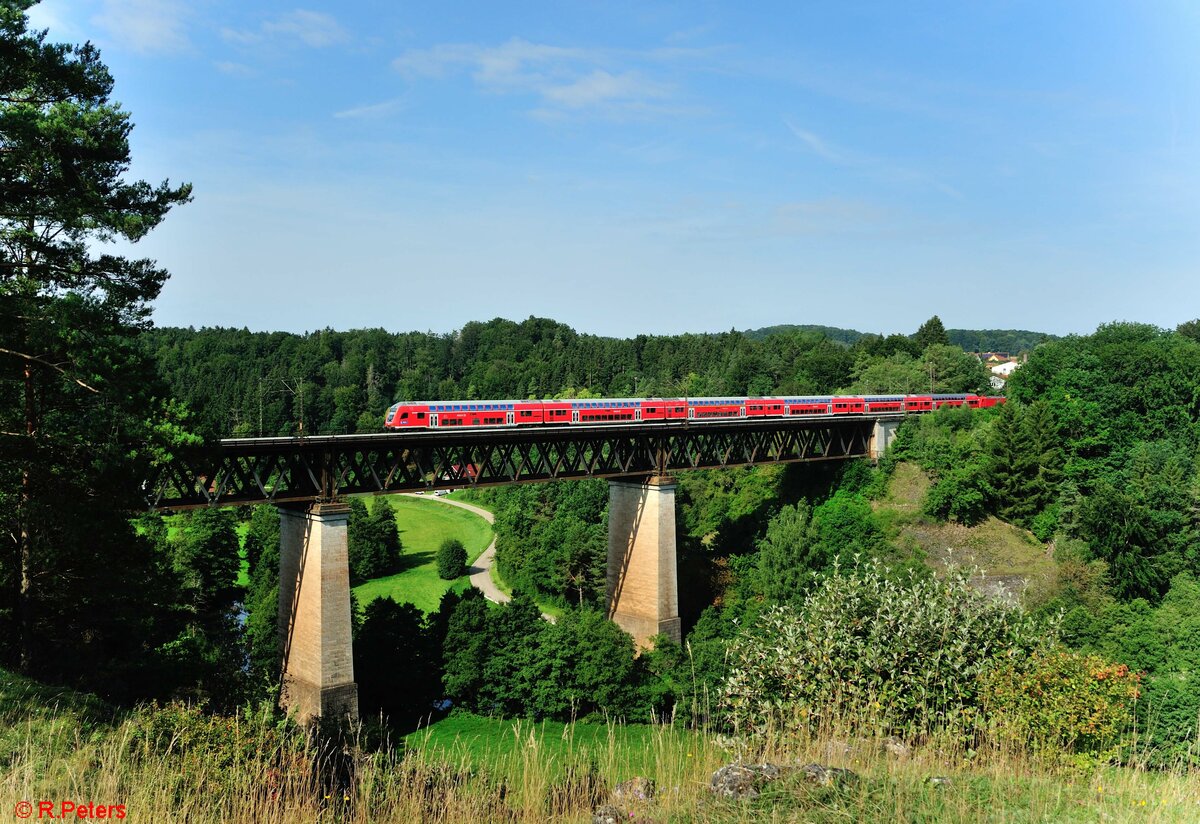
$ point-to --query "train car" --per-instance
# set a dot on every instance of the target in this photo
(808, 406)
(765, 407)
(442, 414)
(664, 409)
(708, 408)
(949, 400)
(884, 403)
(606, 410)
(407, 416)
(555, 413)
(462, 413)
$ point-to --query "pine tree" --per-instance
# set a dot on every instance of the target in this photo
(931, 333)
(81, 412)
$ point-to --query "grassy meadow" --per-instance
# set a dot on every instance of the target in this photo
(424, 524)
(175, 763)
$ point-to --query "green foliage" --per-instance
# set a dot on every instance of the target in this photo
(1026, 460)
(931, 333)
(1012, 341)
(466, 648)
(206, 654)
(451, 559)
(787, 556)
(83, 599)
(950, 369)
(905, 654)
(551, 539)
(1108, 391)
(1058, 703)
(505, 660)
(960, 494)
(1164, 642)
(397, 663)
(585, 667)
(900, 373)
(373, 540)
(262, 601)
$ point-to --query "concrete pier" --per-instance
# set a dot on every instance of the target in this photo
(314, 613)
(881, 438)
(643, 586)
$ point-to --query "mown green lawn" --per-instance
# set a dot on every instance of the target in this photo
(500, 746)
(424, 524)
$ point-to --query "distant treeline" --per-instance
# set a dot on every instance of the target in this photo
(1013, 341)
(238, 382)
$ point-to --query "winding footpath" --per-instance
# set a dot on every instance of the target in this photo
(481, 570)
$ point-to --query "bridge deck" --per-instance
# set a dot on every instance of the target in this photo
(317, 468)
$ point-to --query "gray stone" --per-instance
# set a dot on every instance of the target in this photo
(635, 789)
(940, 781)
(827, 776)
(894, 746)
(735, 781)
(609, 814)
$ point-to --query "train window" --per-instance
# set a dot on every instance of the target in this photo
(420, 414)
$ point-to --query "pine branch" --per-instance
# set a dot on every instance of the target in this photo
(55, 366)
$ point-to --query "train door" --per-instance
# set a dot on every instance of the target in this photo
(574, 416)
(637, 413)
(511, 418)
(742, 411)
(432, 419)
(691, 412)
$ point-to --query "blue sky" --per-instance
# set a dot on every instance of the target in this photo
(646, 167)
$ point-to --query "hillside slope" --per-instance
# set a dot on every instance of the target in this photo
(1009, 557)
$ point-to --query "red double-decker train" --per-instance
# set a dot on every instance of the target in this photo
(442, 414)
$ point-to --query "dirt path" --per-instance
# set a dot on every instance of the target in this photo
(481, 570)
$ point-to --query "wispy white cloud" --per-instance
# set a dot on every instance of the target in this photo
(146, 26)
(602, 87)
(56, 16)
(312, 28)
(819, 146)
(566, 79)
(370, 110)
(234, 69)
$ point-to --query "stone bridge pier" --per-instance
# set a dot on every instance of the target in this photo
(643, 586)
(314, 612)
(882, 435)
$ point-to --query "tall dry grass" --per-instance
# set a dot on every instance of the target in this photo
(177, 764)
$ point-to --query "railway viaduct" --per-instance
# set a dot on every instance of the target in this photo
(307, 479)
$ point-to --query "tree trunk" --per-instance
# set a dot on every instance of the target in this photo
(24, 538)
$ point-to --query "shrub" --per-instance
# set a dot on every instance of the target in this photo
(1059, 702)
(961, 494)
(906, 654)
(451, 559)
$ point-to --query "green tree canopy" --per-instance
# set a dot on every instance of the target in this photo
(81, 413)
(931, 333)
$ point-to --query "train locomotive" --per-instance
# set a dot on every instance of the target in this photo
(586, 412)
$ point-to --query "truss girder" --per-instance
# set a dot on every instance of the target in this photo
(283, 470)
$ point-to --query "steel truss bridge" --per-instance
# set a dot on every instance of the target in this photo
(320, 468)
